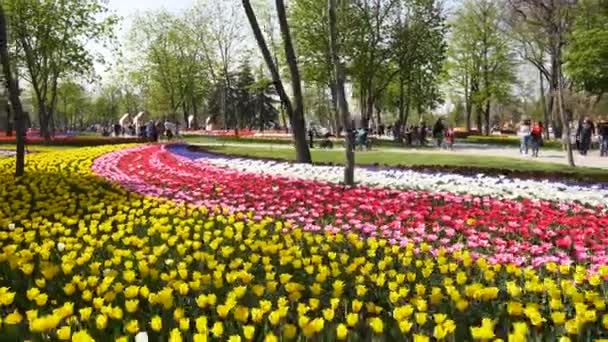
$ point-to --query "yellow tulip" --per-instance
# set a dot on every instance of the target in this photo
(64, 333)
(270, 337)
(290, 331)
(156, 323)
(200, 337)
(377, 325)
(341, 331)
(101, 321)
(218, 329)
(82, 336)
(175, 336)
(132, 327)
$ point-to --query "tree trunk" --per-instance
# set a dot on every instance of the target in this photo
(401, 119)
(223, 105)
(487, 117)
(349, 168)
(284, 118)
(468, 114)
(298, 122)
(408, 102)
(369, 107)
(13, 92)
(195, 113)
(43, 120)
(562, 114)
(185, 110)
(334, 106)
(296, 116)
(479, 120)
(378, 116)
(543, 103)
(9, 123)
(554, 84)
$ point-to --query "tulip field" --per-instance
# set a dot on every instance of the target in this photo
(158, 243)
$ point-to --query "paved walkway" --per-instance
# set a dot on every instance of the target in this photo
(549, 156)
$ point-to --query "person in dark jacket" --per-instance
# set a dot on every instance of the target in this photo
(585, 131)
(603, 133)
(422, 134)
(311, 136)
(438, 132)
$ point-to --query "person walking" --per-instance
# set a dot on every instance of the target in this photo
(449, 138)
(536, 138)
(311, 136)
(422, 134)
(524, 133)
(585, 132)
(603, 135)
(408, 134)
(439, 131)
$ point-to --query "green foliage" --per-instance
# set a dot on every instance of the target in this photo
(419, 52)
(481, 64)
(249, 102)
(50, 37)
(587, 53)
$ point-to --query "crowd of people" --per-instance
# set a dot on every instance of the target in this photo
(151, 130)
(413, 135)
(531, 135)
(585, 132)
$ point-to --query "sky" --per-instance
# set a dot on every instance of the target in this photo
(126, 9)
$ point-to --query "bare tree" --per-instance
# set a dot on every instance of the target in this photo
(294, 109)
(552, 19)
(349, 168)
(13, 91)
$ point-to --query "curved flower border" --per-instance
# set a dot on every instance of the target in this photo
(521, 232)
(481, 185)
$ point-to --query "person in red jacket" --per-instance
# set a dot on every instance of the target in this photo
(536, 136)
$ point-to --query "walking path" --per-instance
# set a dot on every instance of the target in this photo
(549, 156)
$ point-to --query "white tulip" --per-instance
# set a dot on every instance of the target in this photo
(141, 336)
(11, 226)
(478, 185)
(60, 246)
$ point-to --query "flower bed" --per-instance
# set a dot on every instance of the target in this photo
(505, 231)
(478, 184)
(72, 141)
(82, 259)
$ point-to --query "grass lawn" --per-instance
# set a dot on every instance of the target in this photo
(510, 141)
(198, 139)
(441, 161)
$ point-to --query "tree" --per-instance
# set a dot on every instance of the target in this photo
(531, 45)
(220, 35)
(50, 39)
(13, 90)
(553, 19)
(418, 42)
(371, 52)
(482, 61)
(587, 54)
(349, 168)
(309, 19)
(70, 101)
(295, 110)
